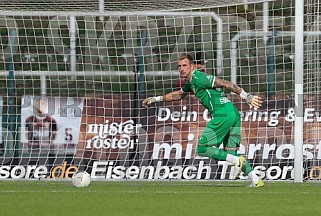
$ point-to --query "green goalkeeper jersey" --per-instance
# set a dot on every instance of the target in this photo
(211, 98)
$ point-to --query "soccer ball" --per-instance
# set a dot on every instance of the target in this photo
(81, 179)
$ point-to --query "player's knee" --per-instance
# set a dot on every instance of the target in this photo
(201, 149)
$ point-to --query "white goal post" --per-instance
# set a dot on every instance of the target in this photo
(76, 75)
(299, 91)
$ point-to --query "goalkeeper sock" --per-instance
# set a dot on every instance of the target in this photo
(254, 178)
(247, 167)
(232, 159)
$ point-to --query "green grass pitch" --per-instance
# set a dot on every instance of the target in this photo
(45, 198)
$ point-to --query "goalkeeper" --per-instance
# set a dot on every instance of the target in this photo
(225, 124)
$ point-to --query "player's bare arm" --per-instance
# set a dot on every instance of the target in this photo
(228, 85)
(250, 99)
(173, 96)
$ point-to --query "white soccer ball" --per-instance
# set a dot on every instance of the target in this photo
(81, 179)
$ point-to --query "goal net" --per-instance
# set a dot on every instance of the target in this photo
(75, 74)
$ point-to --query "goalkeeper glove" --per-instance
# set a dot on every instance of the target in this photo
(251, 100)
(151, 100)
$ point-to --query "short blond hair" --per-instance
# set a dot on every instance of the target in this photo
(188, 57)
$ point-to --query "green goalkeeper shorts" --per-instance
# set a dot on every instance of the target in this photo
(223, 129)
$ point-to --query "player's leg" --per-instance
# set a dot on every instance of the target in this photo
(231, 145)
(209, 150)
(212, 136)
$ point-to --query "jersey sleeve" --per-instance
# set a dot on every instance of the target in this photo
(187, 87)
